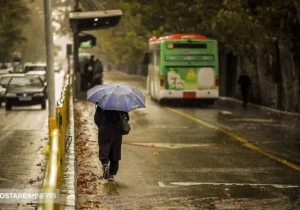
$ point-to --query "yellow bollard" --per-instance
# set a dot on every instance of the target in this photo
(51, 124)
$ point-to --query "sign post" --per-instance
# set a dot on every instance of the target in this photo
(50, 71)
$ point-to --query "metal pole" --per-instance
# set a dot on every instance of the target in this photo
(75, 55)
(75, 61)
(49, 53)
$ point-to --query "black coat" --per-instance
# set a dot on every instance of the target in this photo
(108, 118)
(109, 134)
(244, 82)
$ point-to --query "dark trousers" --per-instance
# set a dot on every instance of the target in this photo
(113, 166)
(110, 143)
(245, 96)
(82, 82)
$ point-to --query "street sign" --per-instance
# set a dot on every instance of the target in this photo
(87, 41)
(87, 44)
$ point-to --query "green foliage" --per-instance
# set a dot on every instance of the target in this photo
(124, 44)
(13, 15)
(33, 48)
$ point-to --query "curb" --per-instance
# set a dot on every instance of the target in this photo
(68, 192)
(227, 101)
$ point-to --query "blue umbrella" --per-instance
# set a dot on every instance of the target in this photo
(117, 97)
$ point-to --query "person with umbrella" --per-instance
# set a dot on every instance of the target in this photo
(113, 102)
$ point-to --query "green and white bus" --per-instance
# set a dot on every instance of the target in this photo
(183, 66)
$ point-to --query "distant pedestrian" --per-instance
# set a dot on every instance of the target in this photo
(83, 66)
(89, 71)
(98, 73)
(109, 140)
(245, 83)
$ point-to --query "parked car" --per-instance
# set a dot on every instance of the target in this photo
(28, 67)
(24, 91)
(4, 80)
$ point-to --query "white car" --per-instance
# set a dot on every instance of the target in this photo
(6, 68)
(28, 67)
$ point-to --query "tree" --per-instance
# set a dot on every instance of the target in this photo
(33, 47)
(11, 25)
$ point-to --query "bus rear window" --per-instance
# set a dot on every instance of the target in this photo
(189, 46)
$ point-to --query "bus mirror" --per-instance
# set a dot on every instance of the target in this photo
(146, 59)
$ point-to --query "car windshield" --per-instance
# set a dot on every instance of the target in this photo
(43, 77)
(35, 68)
(4, 80)
(26, 81)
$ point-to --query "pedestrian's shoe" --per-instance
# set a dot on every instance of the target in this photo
(111, 178)
(105, 171)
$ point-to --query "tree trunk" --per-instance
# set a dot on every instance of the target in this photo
(251, 69)
(266, 84)
(289, 79)
(280, 96)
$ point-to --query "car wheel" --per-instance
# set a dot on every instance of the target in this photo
(43, 105)
(8, 106)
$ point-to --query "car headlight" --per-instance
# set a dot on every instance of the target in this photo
(10, 95)
(38, 94)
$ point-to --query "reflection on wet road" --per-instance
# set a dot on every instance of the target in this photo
(23, 132)
(172, 162)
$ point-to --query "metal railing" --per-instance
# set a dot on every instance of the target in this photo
(55, 150)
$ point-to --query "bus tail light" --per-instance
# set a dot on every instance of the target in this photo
(217, 81)
(162, 82)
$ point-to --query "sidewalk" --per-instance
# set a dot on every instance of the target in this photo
(227, 102)
(272, 130)
(90, 183)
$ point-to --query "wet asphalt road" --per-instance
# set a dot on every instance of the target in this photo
(171, 161)
(23, 133)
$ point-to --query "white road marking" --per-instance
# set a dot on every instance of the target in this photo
(45, 126)
(170, 127)
(279, 186)
(170, 145)
(161, 184)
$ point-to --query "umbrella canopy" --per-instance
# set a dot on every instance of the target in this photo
(117, 97)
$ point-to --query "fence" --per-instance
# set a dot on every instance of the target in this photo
(55, 150)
